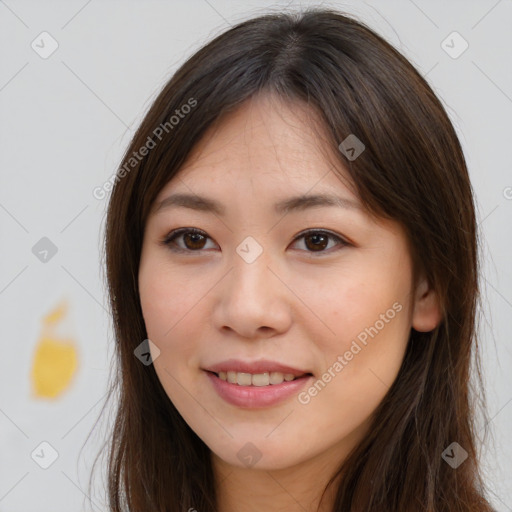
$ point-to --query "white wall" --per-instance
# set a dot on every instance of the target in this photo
(64, 123)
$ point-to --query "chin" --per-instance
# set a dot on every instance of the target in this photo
(262, 457)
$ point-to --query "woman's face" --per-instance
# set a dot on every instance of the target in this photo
(323, 289)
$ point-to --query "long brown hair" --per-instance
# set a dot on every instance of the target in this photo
(413, 171)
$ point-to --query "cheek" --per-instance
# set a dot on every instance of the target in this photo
(172, 308)
(365, 320)
(164, 295)
(161, 311)
(158, 303)
(346, 304)
(167, 326)
(359, 367)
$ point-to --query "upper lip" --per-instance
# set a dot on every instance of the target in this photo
(254, 367)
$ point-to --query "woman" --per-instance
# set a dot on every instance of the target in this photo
(291, 257)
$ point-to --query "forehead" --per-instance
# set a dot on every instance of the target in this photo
(265, 144)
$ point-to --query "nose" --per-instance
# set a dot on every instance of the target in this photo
(252, 300)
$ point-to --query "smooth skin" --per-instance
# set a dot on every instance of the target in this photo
(296, 303)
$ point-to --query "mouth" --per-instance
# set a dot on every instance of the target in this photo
(258, 379)
(256, 391)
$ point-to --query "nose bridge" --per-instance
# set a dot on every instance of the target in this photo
(251, 273)
(252, 296)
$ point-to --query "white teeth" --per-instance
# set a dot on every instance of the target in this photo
(258, 379)
(243, 379)
(276, 378)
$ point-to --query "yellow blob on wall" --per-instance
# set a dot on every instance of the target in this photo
(55, 358)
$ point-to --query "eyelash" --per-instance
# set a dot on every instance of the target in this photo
(168, 240)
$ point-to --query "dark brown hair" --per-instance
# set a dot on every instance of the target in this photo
(412, 171)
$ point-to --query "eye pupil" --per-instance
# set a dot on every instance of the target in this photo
(196, 237)
(317, 244)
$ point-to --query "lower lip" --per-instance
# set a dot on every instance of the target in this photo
(253, 397)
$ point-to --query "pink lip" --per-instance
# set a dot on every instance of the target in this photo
(253, 397)
(262, 366)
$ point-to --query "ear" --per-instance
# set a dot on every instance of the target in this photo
(426, 310)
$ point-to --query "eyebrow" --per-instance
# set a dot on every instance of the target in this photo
(297, 203)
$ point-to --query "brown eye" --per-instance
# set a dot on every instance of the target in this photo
(193, 240)
(317, 241)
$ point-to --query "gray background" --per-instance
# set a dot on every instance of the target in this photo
(64, 123)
